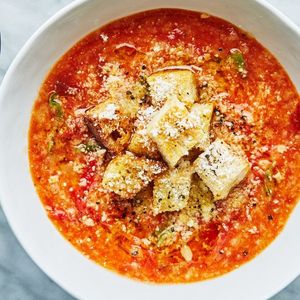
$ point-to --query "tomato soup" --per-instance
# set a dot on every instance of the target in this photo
(105, 161)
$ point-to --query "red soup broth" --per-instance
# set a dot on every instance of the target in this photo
(259, 111)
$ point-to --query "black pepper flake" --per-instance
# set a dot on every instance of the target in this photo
(245, 253)
(144, 67)
(135, 253)
(220, 49)
(270, 217)
(217, 59)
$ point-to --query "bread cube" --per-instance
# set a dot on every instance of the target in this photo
(201, 201)
(141, 144)
(171, 190)
(173, 131)
(142, 202)
(127, 174)
(168, 83)
(201, 115)
(221, 168)
(111, 123)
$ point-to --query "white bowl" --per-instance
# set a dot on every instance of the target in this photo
(265, 275)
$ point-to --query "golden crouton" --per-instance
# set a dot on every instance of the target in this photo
(141, 144)
(201, 115)
(127, 174)
(111, 123)
(166, 84)
(171, 189)
(201, 201)
(220, 168)
(174, 131)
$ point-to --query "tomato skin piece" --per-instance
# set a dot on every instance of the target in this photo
(295, 118)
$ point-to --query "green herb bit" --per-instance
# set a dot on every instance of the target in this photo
(167, 237)
(268, 182)
(91, 147)
(55, 104)
(88, 147)
(239, 61)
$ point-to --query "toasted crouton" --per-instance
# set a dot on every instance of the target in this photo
(171, 189)
(201, 115)
(221, 168)
(174, 131)
(127, 174)
(169, 83)
(201, 201)
(141, 144)
(111, 123)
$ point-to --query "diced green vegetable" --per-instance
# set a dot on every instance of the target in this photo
(90, 146)
(55, 105)
(167, 237)
(239, 61)
(268, 182)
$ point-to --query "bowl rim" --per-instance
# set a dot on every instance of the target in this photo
(6, 80)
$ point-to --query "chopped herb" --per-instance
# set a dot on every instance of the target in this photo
(239, 61)
(55, 105)
(90, 146)
(166, 237)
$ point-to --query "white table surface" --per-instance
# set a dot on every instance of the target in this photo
(20, 278)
